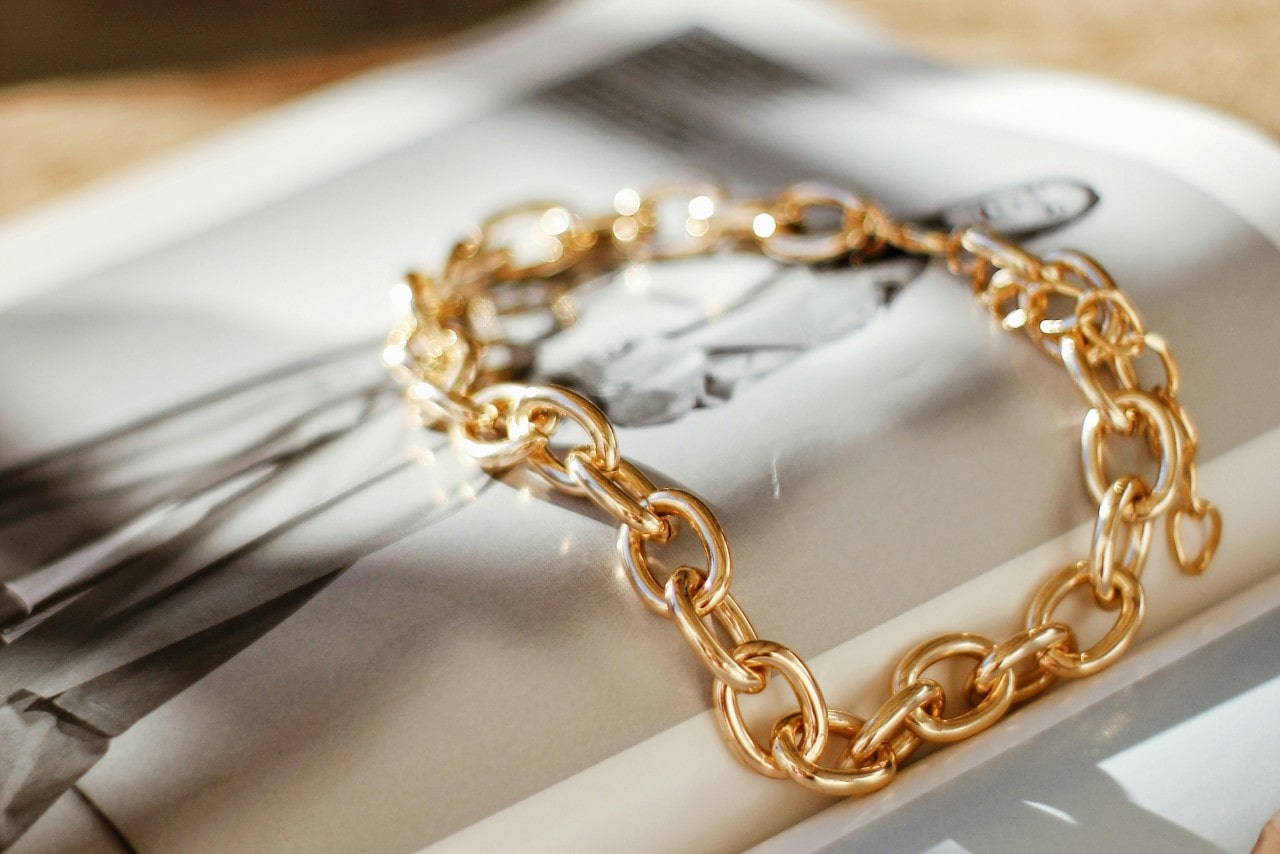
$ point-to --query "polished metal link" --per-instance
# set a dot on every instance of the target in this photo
(1127, 373)
(680, 506)
(1073, 351)
(1005, 296)
(794, 241)
(888, 726)
(620, 493)
(1131, 610)
(499, 441)
(681, 587)
(1146, 415)
(910, 238)
(1026, 646)
(1110, 324)
(999, 252)
(850, 777)
(936, 727)
(1121, 539)
(434, 404)
(539, 402)
(762, 655)
(644, 232)
(556, 237)
(442, 349)
(1070, 275)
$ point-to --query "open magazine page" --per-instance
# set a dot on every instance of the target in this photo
(246, 604)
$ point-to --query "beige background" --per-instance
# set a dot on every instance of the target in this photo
(61, 133)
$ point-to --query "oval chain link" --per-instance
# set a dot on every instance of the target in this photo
(934, 726)
(1065, 303)
(688, 508)
(849, 777)
(762, 654)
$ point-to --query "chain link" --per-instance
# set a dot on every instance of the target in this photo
(439, 350)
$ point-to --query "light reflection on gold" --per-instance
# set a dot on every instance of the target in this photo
(764, 225)
(701, 207)
(625, 229)
(393, 354)
(627, 201)
(401, 298)
(1007, 279)
(555, 221)
(1015, 319)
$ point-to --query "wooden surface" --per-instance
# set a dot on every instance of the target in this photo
(60, 134)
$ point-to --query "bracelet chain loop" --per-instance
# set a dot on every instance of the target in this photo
(443, 348)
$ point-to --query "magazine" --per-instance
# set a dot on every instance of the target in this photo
(248, 606)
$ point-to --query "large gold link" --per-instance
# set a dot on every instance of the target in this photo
(498, 440)
(534, 241)
(441, 350)
(1006, 657)
(850, 777)
(1073, 351)
(795, 241)
(1121, 540)
(559, 404)
(675, 220)
(620, 493)
(1132, 608)
(888, 726)
(1128, 375)
(1069, 274)
(765, 655)
(1147, 415)
(682, 585)
(936, 727)
(676, 504)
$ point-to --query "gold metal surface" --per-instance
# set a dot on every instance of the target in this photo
(850, 778)
(1132, 608)
(764, 654)
(933, 725)
(1121, 540)
(1023, 648)
(561, 404)
(1148, 415)
(439, 350)
(688, 508)
(680, 589)
(888, 726)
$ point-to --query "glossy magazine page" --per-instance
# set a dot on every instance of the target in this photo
(248, 605)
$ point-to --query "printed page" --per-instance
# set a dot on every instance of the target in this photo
(248, 605)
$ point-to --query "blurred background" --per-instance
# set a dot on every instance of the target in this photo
(89, 87)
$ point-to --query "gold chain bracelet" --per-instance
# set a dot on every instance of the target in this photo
(449, 350)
